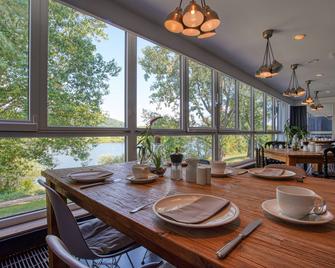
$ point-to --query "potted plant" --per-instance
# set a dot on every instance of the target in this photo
(157, 161)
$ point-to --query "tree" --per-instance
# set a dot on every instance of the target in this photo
(77, 82)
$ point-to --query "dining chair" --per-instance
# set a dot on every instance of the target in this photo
(298, 170)
(60, 250)
(327, 165)
(274, 145)
(90, 240)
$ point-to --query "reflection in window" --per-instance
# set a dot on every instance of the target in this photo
(244, 106)
(269, 113)
(14, 62)
(158, 85)
(228, 107)
(86, 70)
(200, 95)
(235, 148)
(23, 159)
(258, 110)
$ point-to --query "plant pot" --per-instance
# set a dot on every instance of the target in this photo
(158, 171)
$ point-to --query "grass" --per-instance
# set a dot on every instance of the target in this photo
(21, 208)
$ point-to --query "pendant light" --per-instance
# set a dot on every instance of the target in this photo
(316, 106)
(294, 89)
(193, 16)
(212, 20)
(270, 66)
(174, 21)
(308, 100)
(194, 21)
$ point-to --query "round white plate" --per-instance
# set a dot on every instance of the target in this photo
(226, 172)
(225, 216)
(271, 207)
(286, 175)
(150, 178)
(89, 176)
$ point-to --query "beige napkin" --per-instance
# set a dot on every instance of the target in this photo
(271, 172)
(198, 211)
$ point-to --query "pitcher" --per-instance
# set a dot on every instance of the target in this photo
(191, 169)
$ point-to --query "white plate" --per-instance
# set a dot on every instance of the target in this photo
(271, 207)
(89, 176)
(286, 175)
(150, 178)
(225, 173)
(225, 216)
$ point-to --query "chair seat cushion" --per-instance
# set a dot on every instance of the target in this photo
(102, 239)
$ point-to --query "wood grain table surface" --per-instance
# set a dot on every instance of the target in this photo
(274, 244)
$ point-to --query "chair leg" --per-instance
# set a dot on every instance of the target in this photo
(143, 259)
(131, 263)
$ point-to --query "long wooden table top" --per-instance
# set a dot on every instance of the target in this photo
(290, 152)
(273, 244)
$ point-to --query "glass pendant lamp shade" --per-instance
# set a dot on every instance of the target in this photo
(193, 16)
(193, 32)
(294, 89)
(204, 35)
(308, 100)
(212, 20)
(173, 22)
(300, 92)
(276, 67)
(265, 72)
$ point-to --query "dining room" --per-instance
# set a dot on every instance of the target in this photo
(162, 134)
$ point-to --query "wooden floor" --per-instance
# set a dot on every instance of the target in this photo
(38, 258)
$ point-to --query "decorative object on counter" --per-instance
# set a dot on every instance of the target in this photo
(144, 144)
(295, 143)
(191, 169)
(157, 157)
(305, 146)
(311, 146)
(176, 167)
(290, 131)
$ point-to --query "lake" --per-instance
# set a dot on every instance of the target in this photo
(102, 149)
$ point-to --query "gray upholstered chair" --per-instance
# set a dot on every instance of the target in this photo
(57, 247)
(90, 240)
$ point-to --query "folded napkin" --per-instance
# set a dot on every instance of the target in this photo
(271, 172)
(198, 211)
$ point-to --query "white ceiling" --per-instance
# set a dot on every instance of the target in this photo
(239, 39)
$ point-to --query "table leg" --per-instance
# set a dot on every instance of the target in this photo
(54, 261)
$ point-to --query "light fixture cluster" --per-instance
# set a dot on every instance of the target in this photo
(270, 66)
(308, 100)
(294, 89)
(195, 21)
(316, 106)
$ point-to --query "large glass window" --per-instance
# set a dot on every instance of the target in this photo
(235, 148)
(263, 138)
(228, 106)
(258, 110)
(158, 85)
(14, 60)
(86, 70)
(22, 159)
(200, 95)
(276, 111)
(269, 113)
(244, 102)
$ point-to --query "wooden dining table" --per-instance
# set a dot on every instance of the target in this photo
(292, 158)
(273, 244)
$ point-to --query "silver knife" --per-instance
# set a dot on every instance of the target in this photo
(223, 252)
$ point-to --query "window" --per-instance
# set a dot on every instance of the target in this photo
(258, 110)
(244, 106)
(158, 85)
(86, 76)
(228, 97)
(200, 95)
(263, 138)
(276, 112)
(235, 148)
(22, 159)
(14, 64)
(269, 113)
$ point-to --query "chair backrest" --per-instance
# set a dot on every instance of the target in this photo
(67, 225)
(57, 247)
(327, 151)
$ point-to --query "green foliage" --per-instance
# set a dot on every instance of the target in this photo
(110, 159)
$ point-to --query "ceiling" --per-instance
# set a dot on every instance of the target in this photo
(240, 42)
